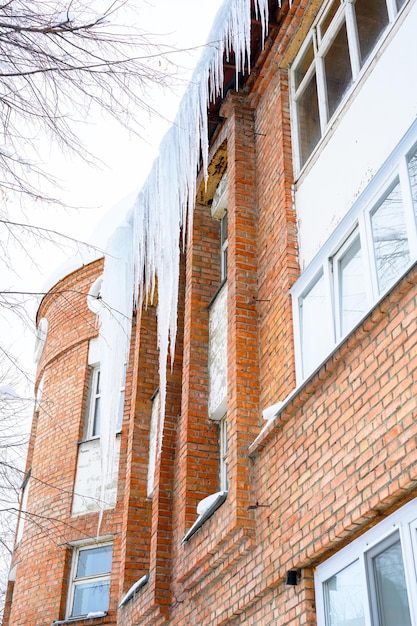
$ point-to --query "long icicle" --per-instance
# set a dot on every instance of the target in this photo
(165, 206)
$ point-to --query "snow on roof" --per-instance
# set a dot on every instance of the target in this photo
(96, 244)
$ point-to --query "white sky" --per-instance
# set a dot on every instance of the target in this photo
(184, 24)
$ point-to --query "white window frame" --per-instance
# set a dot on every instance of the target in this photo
(94, 396)
(403, 522)
(358, 220)
(321, 44)
(76, 581)
(93, 400)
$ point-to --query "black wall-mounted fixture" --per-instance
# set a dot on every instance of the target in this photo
(293, 577)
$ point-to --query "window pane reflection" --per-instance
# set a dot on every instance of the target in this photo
(304, 65)
(390, 239)
(91, 597)
(338, 70)
(372, 19)
(94, 561)
(343, 598)
(390, 587)
(308, 119)
(352, 292)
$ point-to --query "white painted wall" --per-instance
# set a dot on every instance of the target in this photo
(87, 486)
(217, 356)
(378, 113)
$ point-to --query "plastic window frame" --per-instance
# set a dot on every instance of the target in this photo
(358, 219)
(404, 523)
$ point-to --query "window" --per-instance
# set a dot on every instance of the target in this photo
(389, 236)
(350, 285)
(316, 332)
(369, 251)
(372, 581)
(223, 247)
(330, 62)
(94, 413)
(223, 448)
(93, 429)
(219, 212)
(90, 580)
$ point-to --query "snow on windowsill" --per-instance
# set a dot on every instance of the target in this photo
(83, 618)
(205, 510)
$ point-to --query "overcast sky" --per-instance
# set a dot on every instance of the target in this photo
(183, 24)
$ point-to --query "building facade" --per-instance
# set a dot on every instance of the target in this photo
(281, 485)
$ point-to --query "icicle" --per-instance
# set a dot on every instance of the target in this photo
(115, 318)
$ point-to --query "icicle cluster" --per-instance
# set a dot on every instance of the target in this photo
(115, 319)
(164, 208)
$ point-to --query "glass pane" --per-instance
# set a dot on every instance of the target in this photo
(371, 19)
(308, 120)
(389, 235)
(90, 597)
(96, 421)
(400, 4)
(352, 287)
(326, 21)
(390, 587)
(94, 561)
(315, 329)
(98, 383)
(338, 70)
(343, 598)
(412, 172)
(303, 65)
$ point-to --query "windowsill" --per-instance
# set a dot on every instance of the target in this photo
(135, 588)
(97, 437)
(210, 506)
(80, 619)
